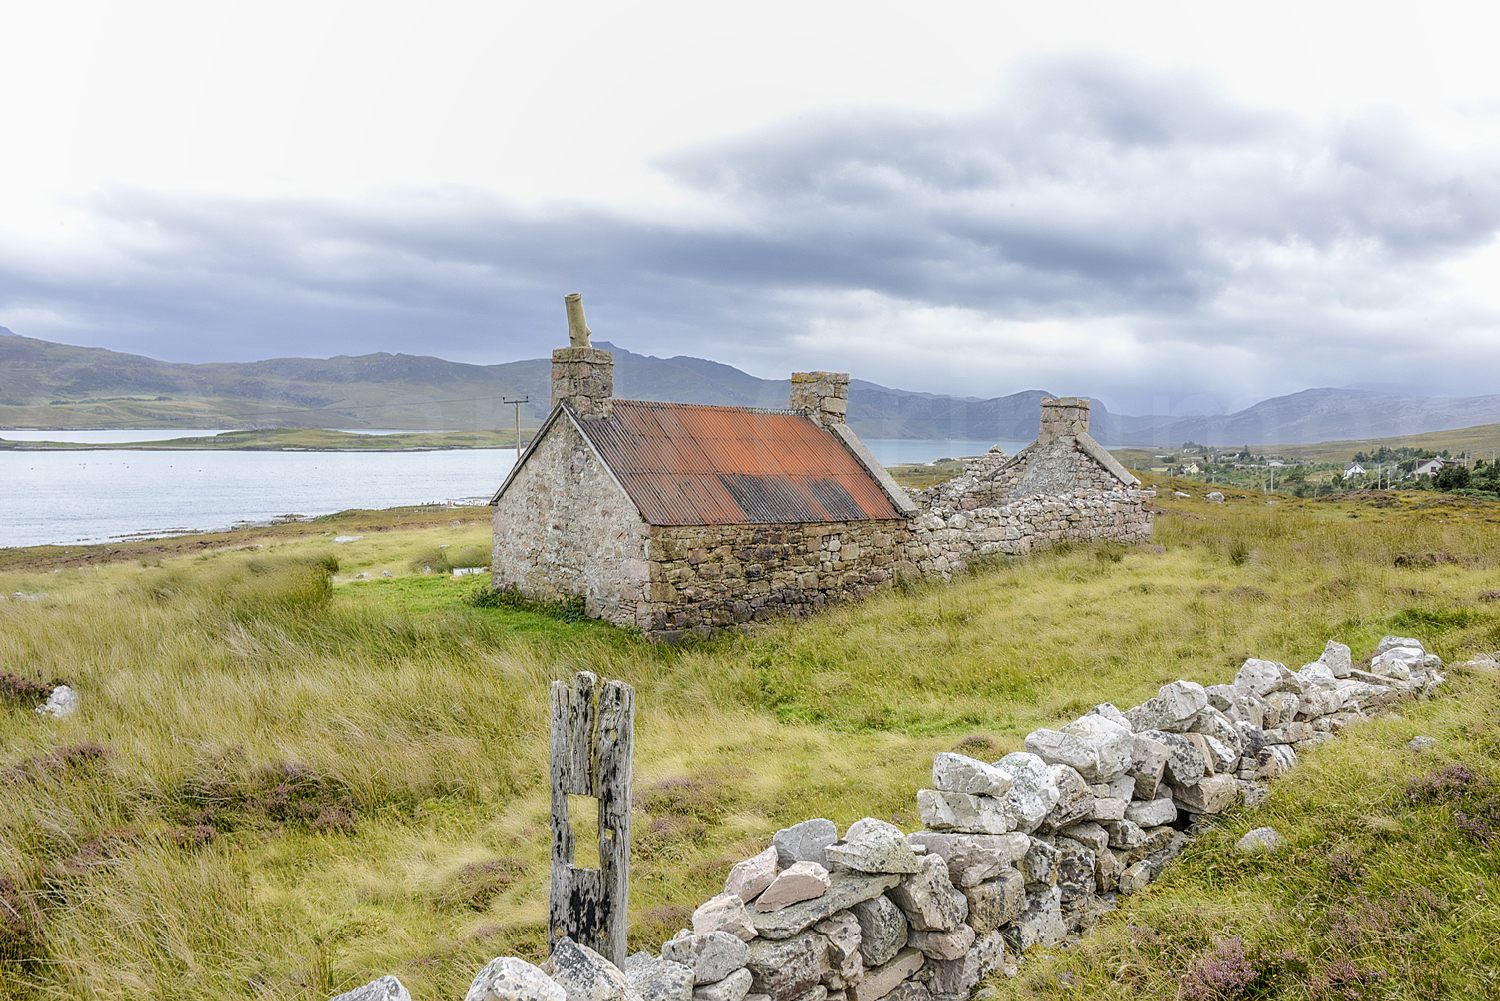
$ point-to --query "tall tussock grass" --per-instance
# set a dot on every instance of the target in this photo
(283, 786)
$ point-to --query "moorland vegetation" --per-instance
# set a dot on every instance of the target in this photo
(285, 781)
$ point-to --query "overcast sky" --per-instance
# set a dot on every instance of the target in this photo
(1172, 207)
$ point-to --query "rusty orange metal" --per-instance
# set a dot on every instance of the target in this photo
(686, 464)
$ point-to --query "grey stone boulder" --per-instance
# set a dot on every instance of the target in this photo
(584, 974)
(1237, 704)
(726, 912)
(1187, 756)
(1318, 675)
(1422, 743)
(658, 979)
(386, 988)
(846, 890)
(1113, 744)
(733, 987)
(61, 703)
(883, 930)
(798, 882)
(712, 957)
(1222, 758)
(1074, 797)
(1106, 808)
(1033, 792)
(973, 858)
(1126, 835)
(1041, 923)
(785, 968)
(1212, 794)
(804, 842)
(960, 773)
(1038, 867)
(965, 812)
(1151, 812)
(1264, 677)
(1173, 708)
(1075, 870)
(943, 944)
(1110, 712)
(1394, 663)
(1058, 748)
(748, 879)
(1262, 839)
(1213, 723)
(995, 902)
(1338, 658)
(1148, 762)
(1089, 834)
(1135, 877)
(873, 845)
(1390, 642)
(880, 981)
(509, 979)
(929, 899)
(1121, 788)
(956, 978)
(1271, 761)
(844, 936)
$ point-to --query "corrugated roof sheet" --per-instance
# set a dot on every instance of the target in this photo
(684, 464)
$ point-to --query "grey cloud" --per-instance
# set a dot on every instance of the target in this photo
(1089, 189)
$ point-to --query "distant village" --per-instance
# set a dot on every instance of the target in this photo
(1385, 468)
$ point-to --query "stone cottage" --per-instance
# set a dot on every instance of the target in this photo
(1062, 487)
(683, 519)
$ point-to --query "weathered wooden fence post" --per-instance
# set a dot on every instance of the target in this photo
(593, 732)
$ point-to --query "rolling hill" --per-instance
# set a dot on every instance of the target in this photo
(58, 386)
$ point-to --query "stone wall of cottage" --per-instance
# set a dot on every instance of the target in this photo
(565, 527)
(708, 577)
(1007, 505)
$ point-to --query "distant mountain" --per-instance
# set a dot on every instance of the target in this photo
(49, 385)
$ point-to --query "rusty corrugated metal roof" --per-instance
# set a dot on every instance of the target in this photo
(684, 464)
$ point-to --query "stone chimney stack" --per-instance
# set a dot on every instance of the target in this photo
(824, 395)
(1066, 415)
(583, 376)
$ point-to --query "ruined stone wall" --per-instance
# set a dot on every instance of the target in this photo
(707, 577)
(565, 527)
(946, 539)
(1049, 492)
(1032, 849)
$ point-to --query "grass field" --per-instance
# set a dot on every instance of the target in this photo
(286, 781)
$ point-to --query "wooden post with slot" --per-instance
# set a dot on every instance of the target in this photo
(593, 733)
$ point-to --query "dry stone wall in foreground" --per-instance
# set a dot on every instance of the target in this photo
(1024, 851)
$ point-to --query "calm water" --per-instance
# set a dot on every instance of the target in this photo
(63, 497)
(102, 496)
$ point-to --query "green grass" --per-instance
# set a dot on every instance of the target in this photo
(411, 836)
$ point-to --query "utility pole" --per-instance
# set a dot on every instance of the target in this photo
(517, 405)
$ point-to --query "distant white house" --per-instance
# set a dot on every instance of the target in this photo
(1353, 469)
(1275, 464)
(1190, 468)
(1429, 467)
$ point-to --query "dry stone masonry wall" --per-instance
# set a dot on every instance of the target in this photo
(1028, 850)
(571, 530)
(1064, 487)
(707, 577)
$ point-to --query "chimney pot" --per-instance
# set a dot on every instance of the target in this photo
(583, 376)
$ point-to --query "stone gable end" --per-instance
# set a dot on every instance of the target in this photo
(564, 527)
